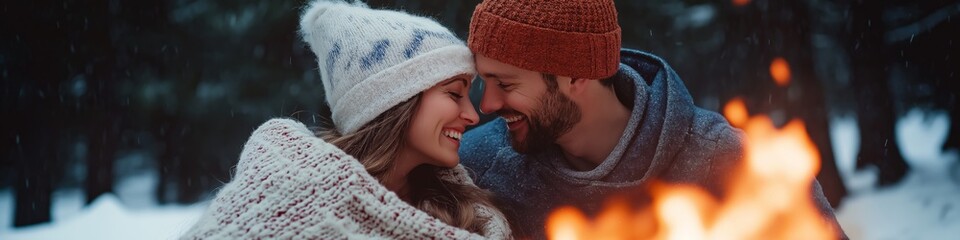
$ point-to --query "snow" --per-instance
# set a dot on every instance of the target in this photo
(108, 218)
(131, 214)
(923, 206)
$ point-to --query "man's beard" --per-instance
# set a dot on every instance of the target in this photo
(554, 117)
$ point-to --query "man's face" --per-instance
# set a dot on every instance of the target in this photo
(536, 113)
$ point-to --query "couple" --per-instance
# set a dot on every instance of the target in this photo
(580, 120)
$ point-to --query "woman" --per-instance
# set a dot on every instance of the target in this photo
(387, 167)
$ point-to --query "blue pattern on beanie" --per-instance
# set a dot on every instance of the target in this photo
(375, 56)
(418, 35)
(332, 58)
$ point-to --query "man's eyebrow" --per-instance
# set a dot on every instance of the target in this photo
(498, 76)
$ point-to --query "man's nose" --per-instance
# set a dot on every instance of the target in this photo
(492, 100)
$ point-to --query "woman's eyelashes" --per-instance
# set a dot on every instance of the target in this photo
(455, 95)
(455, 88)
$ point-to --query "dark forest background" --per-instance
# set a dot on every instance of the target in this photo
(96, 91)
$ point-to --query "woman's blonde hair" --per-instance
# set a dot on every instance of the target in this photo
(377, 144)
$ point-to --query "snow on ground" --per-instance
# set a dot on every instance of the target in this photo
(131, 214)
(926, 205)
(107, 218)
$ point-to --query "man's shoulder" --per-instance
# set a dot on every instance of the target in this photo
(711, 126)
(484, 139)
(715, 141)
(480, 147)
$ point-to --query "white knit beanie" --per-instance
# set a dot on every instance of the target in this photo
(371, 60)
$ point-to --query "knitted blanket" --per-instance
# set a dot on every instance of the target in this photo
(289, 184)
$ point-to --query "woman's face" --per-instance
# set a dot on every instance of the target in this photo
(436, 128)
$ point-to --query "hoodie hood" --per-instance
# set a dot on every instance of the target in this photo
(648, 142)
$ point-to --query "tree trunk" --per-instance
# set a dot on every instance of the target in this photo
(36, 68)
(875, 114)
(953, 135)
(169, 133)
(811, 106)
(102, 115)
(103, 139)
(37, 159)
(760, 32)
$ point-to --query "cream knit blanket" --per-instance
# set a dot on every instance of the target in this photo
(289, 184)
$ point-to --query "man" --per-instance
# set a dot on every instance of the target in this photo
(581, 119)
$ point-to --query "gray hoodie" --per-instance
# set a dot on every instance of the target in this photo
(667, 139)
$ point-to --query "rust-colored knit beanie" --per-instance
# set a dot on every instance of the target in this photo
(574, 38)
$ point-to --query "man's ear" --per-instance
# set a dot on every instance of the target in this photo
(578, 85)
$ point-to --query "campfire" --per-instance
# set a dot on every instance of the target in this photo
(767, 197)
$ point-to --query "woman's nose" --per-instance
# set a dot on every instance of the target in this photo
(469, 113)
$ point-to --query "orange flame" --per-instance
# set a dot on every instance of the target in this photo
(769, 197)
(780, 70)
(740, 3)
(615, 222)
(567, 223)
(736, 112)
